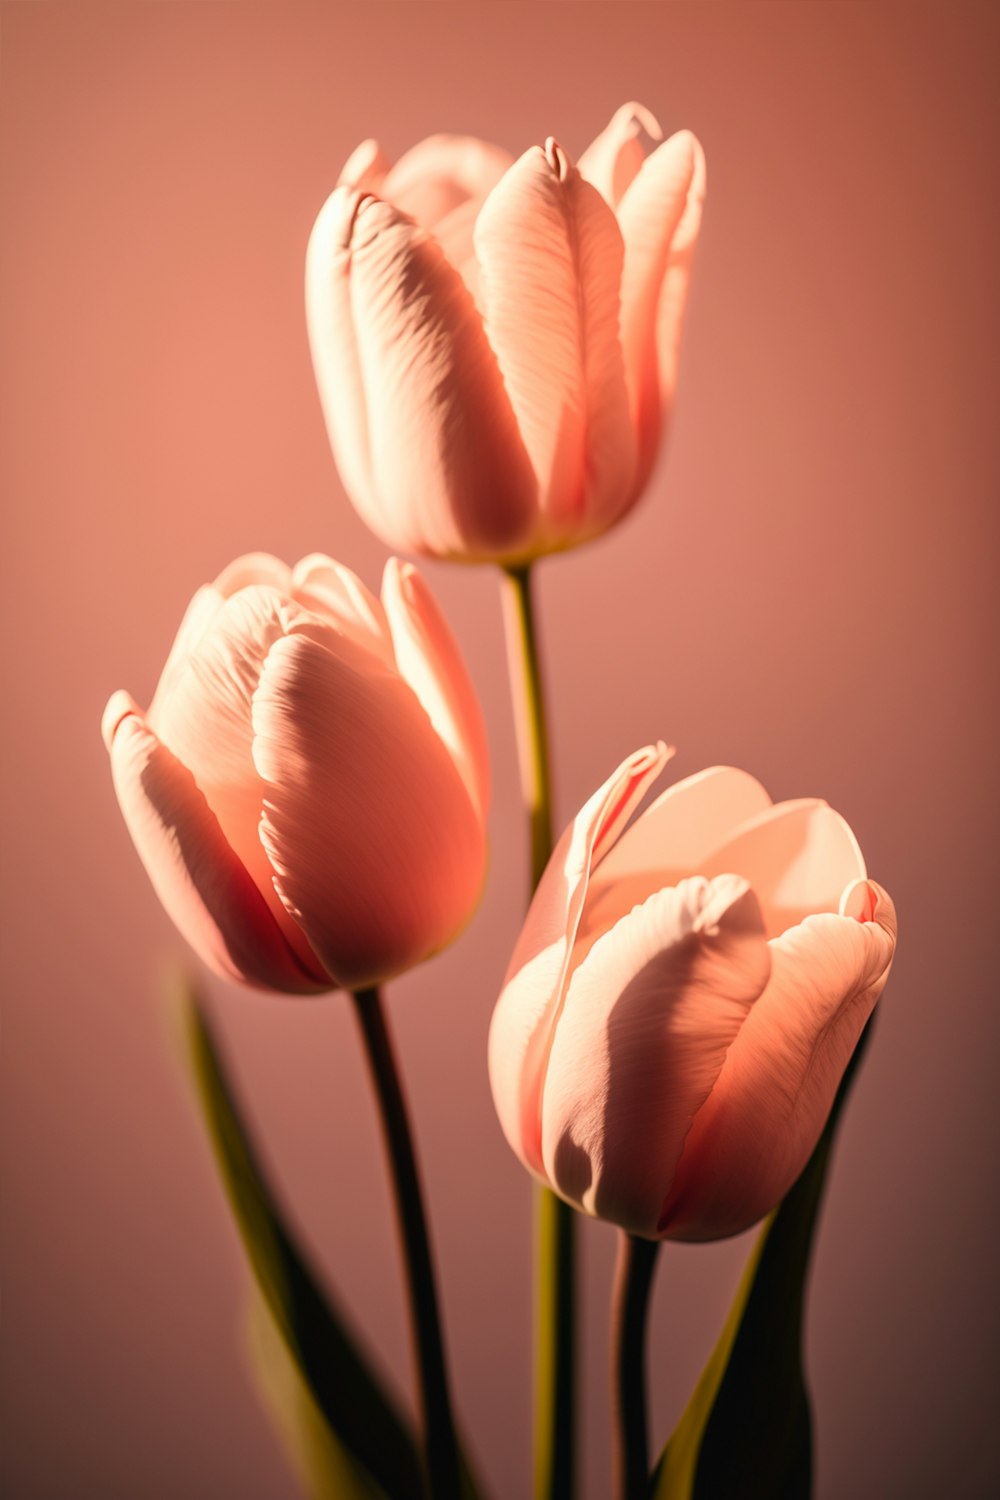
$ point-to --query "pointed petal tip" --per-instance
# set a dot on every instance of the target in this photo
(858, 901)
(119, 706)
(642, 119)
(655, 755)
(557, 158)
(867, 901)
(365, 167)
(623, 791)
(336, 222)
(687, 230)
(398, 575)
(249, 569)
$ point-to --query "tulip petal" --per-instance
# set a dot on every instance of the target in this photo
(244, 572)
(528, 1008)
(205, 720)
(365, 168)
(441, 183)
(643, 1034)
(454, 233)
(197, 617)
(612, 160)
(428, 658)
(334, 593)
(333, 342)
(254, 568)
(442, 173)
(550, 259)
(798, 856)
(344, 817)
(415, 406)
(671, 840)
(674, 287)
(659, 216)
(765, 1114)
(201, 882)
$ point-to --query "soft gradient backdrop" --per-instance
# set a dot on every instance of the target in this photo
(805, 592)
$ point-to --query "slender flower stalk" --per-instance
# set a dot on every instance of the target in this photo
(440, 1446)
(633, 1283)
(555, 1357)
(529, 711)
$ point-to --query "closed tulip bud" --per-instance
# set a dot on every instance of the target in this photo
(308, 790)
(684, 999)
(495, 341)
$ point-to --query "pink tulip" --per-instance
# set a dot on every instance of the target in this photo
(308, 789)
(684, 998)
(495, 341)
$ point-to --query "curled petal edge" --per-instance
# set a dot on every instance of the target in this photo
(428, 658)
(759, 1125)
(528, 1009)
(203, 885)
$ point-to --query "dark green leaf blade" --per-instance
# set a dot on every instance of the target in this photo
(352, 1401)
(747, 1430)
(324, 1468)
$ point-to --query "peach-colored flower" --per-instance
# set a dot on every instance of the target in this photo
(684, 999)
(308, 789)
(495, 341)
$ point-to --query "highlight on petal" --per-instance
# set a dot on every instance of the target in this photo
(674, 288)
(533, 992)
(334, 593)
(756, 1131)
(399, 351)
(206, 722)
(333, 342)
(612, 160)
(659, 215)
(346, 817)
(798, 856)
(428, 658)
(550, 261)
(671, 840)
(442, 173)
(197, 617)
(254, 568)
(201, 882)
(648, 1018)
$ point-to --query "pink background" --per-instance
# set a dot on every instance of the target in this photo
(805, 592)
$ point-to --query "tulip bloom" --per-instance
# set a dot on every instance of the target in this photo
(495, 341)
(684, 999)
(308, 789)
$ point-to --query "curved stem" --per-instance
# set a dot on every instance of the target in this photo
(555, 1333)
(633, 1281)
(440, 1447)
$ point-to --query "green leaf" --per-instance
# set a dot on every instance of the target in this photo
(747, 1430)
(324, 1468)
(363, 1431)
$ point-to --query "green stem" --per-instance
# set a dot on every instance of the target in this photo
(529, 713)
(555, 1334)
(633, 1281)
(555, 1347)
(440, 1446)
